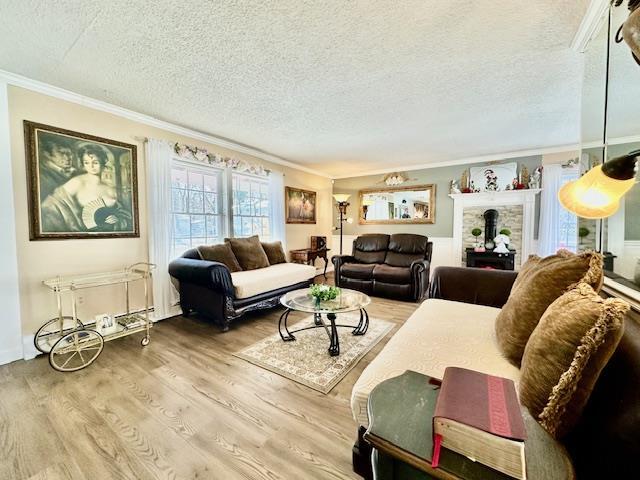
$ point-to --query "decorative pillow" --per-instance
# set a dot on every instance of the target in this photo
(571, 345)
(539, 283)
(275, 252)
(220, 253)
(249, 252)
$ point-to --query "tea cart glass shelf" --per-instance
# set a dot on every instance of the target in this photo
(73, 344)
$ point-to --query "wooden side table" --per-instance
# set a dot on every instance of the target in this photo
(309, 255)
(400, 431)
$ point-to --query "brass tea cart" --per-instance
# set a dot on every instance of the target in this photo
(72, 344)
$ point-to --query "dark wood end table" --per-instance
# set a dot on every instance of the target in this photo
(400, 431)
(309, 255)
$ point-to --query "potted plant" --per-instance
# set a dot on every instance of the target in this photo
(476, 232)
(322, 293)
(583, 232)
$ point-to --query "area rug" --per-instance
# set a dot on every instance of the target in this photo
(306, 359)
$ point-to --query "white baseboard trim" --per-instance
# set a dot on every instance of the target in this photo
(29, 350)
(11, 355)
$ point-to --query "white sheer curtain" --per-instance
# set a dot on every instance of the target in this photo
(549, 235)
(158, 156)
(276, 205)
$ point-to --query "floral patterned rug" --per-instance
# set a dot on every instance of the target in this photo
(306, 359)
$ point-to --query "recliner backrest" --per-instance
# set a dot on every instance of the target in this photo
(406, 248)
(371, 248)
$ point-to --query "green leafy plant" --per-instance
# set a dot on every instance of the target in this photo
(476, 232)
(505, 231)
(583, 232)
(323, 292)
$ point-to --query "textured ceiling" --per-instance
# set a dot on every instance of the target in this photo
(340, 86)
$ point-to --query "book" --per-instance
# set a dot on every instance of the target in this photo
(478, 416)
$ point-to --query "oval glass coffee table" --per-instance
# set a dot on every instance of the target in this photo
(346, 301)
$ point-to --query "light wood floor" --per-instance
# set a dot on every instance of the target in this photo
(183, 407)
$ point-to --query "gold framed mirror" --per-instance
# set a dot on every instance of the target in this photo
(398, 205)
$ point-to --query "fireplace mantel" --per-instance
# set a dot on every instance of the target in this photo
(526, 198)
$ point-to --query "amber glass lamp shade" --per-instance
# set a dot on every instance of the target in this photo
(598, 192)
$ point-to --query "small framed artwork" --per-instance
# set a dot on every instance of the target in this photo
(106, 324)
(493, 178)
(300, 205)
(79, 186)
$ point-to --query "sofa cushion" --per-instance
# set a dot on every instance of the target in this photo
(371, 248)
(388, 274)
(406, 248)
(220, 253)
(254, 282)
(565, 354)
(438, 334)
(540, 282)
(362, 271)
(249, 252)
(275, 252)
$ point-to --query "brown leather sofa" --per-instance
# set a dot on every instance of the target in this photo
(606, 442)
(395, 266)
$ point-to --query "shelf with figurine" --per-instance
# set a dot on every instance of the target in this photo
(497, 178)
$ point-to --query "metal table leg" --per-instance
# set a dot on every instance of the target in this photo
(363, 325)
(287, 337)
(334, 346)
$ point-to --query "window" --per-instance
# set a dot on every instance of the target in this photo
(197, 206)
(199, 198)
(250, 206)
(568, 237)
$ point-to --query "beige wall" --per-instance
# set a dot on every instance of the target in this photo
(38, 260)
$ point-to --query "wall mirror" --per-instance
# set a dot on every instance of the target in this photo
(610, 128)
(415, 204)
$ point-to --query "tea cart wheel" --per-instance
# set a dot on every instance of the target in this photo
(49, 333)
(76, 350)
(145, 341)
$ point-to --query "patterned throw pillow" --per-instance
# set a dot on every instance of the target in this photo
(220, 253)
(568, 349)
(539, 283)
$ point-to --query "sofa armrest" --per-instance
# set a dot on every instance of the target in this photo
(213, 275)
(472, 285)
(338, 261)
(420, 273)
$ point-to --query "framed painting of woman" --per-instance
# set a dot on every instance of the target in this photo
(79, 186)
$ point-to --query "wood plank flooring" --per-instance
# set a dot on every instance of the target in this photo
(183, 407)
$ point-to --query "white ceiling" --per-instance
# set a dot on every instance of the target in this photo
(339, 86)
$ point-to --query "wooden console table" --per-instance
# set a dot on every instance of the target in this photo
(309, 255)
(400, 431)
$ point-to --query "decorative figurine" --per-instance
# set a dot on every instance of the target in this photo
(453, 188)
(501, 242)
(536, 178)
(464, 180)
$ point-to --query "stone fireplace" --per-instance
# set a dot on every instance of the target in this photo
(516, 212)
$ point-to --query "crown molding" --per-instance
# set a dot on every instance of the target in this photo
(495, 157)
(589, 26)
(57, 92)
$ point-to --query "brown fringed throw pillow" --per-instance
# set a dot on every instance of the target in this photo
(563, 359)
(220, 253)
(249, 252)
(539, 283)
(275, 252)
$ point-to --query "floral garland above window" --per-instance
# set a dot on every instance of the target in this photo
(187, 152)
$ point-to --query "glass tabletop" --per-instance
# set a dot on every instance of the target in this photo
(131, 273)
(346, 301)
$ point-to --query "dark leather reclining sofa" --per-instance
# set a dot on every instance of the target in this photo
(395, 266)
